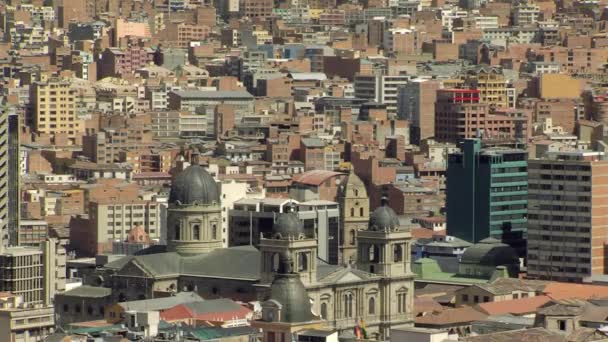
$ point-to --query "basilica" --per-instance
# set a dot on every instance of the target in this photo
(374, 285)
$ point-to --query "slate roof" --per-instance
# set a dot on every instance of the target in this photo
(214, 305)
(88, 292)
(233, 263)
(161, 303)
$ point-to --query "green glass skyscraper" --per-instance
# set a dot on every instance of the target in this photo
(487, 194)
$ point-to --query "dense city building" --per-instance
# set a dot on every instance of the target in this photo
(321, 170)
(487, 194)
(565, 231)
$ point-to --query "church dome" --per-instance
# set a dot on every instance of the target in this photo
(288, 226)
(288, 290)
(194, 185)
(490, 252)
(384, 217)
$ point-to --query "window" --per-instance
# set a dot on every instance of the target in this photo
(374, 253)
(177, 233)
(196, 232)
(352, 212)
(372, 306)
(324, 310)
(352, 236)
(348, 305)
(465, 298)
(561, 324)
(302, 262)
(361, 211)
(214, 232)
(398, 253)
(401, 302)
(486, 299)
(275, 262)
(66, 308)
(78, 308)
(476, 299)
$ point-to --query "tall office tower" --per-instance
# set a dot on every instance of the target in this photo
(416, 103)
(487, 194)
(53, 109)
(9, 178)
(13, 173)
(4, 179)
(567, 226)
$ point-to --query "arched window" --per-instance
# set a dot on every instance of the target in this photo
(196, 232)
(398, 253)
(401, 302)
(275, 262)
(348, 305)
(371, 306)
(352, 237)
(352, 212)
(361, 211)
(302, 262)
(324, 310)
(356, 191)
(374, 253)
(214, 232)
(177, 232)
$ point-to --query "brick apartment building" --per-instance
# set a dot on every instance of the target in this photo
(459, 115)
(567, 228)
(111, 220)
(115, 61)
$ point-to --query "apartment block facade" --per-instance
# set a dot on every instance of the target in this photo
(110, 221)
(416, 103)
(460, 114)
(567, 226)
(53, 109)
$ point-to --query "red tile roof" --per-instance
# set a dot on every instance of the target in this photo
(183, 312)
(516, 306)
(426, 305)
(451, 317)
(424, 233)
(556, 290)
(176, 313)
(315, 177)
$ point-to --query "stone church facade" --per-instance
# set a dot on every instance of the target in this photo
(378, 288)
